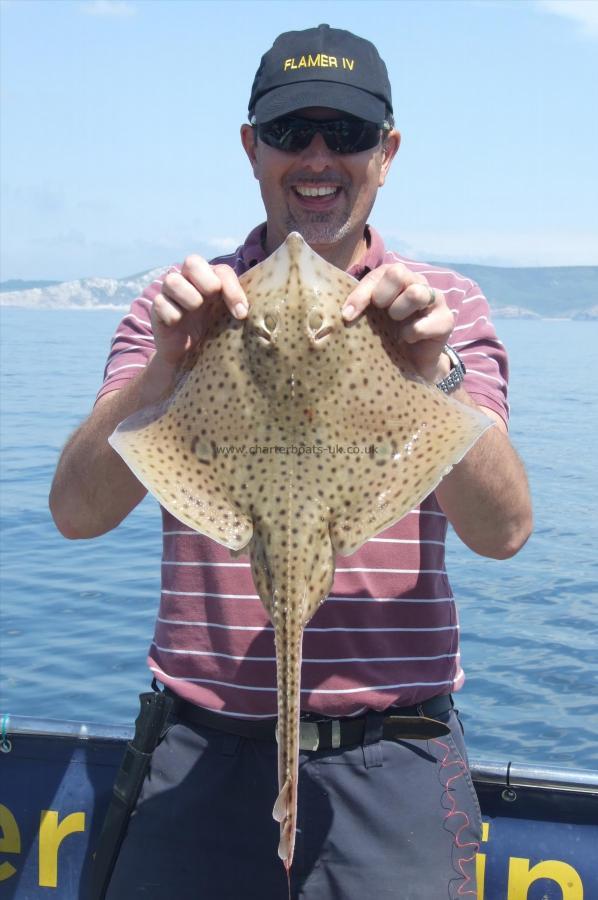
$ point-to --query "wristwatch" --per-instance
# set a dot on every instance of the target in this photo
(455, 376)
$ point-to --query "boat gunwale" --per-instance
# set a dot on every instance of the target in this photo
(485, 772)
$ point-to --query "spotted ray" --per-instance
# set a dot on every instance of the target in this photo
(332, 438)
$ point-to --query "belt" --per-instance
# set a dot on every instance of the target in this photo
(317, 733)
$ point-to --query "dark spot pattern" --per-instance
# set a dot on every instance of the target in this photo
(219, 454)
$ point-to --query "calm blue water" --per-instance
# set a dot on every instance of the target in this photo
(77, 618)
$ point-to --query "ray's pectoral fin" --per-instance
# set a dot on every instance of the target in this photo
(404, 463)
(184, 473)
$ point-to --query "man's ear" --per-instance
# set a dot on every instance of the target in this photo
(249, 141)
(391, 144)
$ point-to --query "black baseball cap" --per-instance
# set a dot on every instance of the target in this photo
(321, 66)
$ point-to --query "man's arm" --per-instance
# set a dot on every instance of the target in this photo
(93, 489)
(486, 496)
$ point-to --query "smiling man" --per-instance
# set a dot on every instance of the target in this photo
(379, 811)
(327, 196)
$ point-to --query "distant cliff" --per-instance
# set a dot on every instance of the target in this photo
(553, 292)
(85, 293)
(569, 292)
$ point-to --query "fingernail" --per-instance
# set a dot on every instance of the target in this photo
(349, 312)
(240, 311)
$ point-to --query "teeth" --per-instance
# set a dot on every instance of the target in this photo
(315, 191)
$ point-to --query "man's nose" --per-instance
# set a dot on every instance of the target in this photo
(317, 155)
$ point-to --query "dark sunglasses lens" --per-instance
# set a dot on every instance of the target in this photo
(288, 134)
(292, 134)
(351, 135)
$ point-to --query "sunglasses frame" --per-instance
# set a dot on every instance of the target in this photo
(328, 128)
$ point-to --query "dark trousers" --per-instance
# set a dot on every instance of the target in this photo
(387, 819)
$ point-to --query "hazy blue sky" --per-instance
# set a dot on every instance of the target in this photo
(120, 148)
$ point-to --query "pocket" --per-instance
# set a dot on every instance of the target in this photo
(455, 743)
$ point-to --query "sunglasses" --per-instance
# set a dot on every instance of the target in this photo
(293, 134)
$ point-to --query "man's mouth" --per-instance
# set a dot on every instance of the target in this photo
(316, 196)
(304, 191)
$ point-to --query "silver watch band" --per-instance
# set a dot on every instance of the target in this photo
(457, 373)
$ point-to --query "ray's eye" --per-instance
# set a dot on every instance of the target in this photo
(317, 327)
(267, 326)
(323, 332)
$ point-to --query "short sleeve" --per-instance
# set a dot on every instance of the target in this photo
(484, 356)
(132, 344)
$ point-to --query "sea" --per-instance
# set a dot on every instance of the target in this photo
(77, 617)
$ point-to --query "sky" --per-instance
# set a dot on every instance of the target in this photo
(119, 131)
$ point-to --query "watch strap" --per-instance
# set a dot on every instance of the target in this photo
(456, 374)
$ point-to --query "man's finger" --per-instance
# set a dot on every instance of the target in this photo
(199, 280)
(232, 292)
(417, 297)
(383, 287)
(181, 291)
(436, 326)
(361, 295)
(166, 312)
(201, 275)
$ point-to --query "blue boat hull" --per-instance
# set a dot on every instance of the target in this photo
(540, 826)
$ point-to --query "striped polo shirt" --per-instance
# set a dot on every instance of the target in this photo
(388, 632)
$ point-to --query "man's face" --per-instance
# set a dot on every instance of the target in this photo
(325, 196)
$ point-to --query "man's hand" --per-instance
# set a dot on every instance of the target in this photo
(176, 311)
(426, 320)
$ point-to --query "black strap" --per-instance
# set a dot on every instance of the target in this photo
(153, 715)
(400, 722)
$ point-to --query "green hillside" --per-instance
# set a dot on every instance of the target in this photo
(551, 291)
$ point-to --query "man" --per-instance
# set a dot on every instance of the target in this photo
(395, 817)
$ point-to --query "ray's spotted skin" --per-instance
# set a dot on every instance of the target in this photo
(294, 436)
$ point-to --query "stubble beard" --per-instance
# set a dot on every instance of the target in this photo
(319, 228)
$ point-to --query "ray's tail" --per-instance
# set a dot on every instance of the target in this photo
(288, 664)
(292, 579)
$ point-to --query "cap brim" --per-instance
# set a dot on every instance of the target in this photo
(289, 98)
